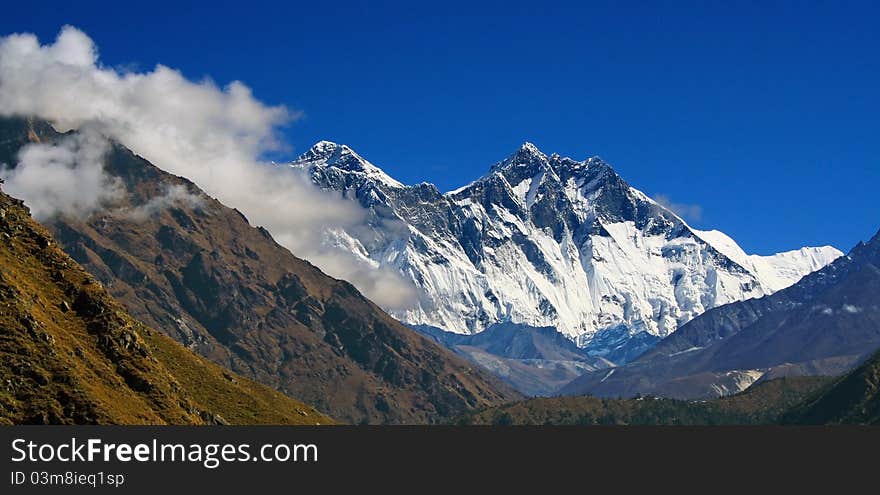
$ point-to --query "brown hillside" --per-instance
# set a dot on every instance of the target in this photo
(69, 353)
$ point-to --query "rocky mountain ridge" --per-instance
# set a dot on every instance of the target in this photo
(544, 240)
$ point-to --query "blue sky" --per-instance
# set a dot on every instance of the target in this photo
(762, 116)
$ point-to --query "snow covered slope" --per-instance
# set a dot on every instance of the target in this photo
(547, 241)
(777, 271)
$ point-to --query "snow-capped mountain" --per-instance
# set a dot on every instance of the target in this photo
(547, 241)
(823, 325)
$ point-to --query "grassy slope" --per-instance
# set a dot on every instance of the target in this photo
(69, 353)
(760, 404)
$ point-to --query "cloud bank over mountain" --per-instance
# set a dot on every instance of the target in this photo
(66, 177)
(214, 136)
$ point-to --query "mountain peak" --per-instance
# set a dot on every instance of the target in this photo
(568, 166)
(869, 251)
(527, 152)
(324, 148)
(528, 147)
(327, 154)
(526, 155)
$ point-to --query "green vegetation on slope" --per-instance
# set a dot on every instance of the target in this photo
(69, 353)
(760, 404)
(852, 399)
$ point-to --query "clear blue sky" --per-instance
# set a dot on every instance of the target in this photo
(764, 114)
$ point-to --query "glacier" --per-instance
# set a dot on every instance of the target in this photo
(544, 240)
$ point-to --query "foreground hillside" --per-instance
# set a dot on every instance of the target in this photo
(761, 404)
(69, 353)
(852, 399)
(185, 264)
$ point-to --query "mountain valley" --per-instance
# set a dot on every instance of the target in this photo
(199, 272)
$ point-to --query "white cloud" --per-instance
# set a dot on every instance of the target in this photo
(213, 136)
(64, 178)
(849, 308)
(690, 212)
(176, 195)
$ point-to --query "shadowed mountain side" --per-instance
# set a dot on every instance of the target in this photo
(69, 353)
(852, 399)
(534, 360)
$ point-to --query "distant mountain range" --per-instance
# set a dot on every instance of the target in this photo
(853, 398)
(535, 361)
(825, 324)
(199, 272)
(547, 241)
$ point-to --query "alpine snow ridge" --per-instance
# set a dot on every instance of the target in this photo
(547, 241)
